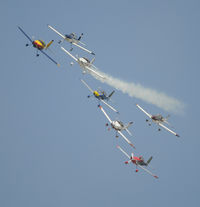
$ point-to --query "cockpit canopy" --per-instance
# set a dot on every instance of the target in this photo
(86, 59)
(141, 158)
(42, 43)
(121, 123)
(157, 117)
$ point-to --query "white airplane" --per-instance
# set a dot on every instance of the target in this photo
(138, 161)
(118, 126)
(72, 39)
(101, 96)
(85, 64)
(158, 119)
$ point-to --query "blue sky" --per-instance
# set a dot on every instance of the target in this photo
(54, 147)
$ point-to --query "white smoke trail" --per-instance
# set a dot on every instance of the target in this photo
(148, 95)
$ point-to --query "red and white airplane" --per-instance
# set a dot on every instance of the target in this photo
(138, 161)
(118, 126)
(158, 119)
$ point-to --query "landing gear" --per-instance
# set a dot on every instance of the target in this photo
(37, 55)
(159, 129)
(71, 47)
(147, 120)
(106, 124)
(27, 45)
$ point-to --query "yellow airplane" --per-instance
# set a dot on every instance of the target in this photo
(39, 45)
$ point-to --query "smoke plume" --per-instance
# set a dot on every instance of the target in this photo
(148, 95)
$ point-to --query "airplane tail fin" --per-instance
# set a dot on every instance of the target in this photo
(80, 37)
(128, 125)
(111, 94)
(49, 44)
(149, 160)
(167, 117)
(165, 120)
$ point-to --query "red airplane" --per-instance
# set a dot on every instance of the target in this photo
(138, 161)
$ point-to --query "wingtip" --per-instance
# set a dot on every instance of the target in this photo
(58, 64)
(177, 135)
(132, 145)
(155, 176)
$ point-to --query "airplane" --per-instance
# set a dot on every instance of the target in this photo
(118, 126)
(138, 161)
(84, 63)
(39, 45)
(72, 38)
(158, 119)
(101, 96)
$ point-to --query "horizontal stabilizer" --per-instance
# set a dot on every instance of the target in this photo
(91, 62)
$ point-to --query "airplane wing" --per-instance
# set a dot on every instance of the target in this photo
(168, 129)
(109, 106)
(87, 85)
(123, 151)
(126, 139)
(72, 42)
(105, 113)
(50, 58)
(25, 34)
(93, 71)
(149, 172)
(92, 53)
(149, 115)
(56, 31)
(69, 54)
(82, 43)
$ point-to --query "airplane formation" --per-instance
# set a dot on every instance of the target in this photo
(101, 96)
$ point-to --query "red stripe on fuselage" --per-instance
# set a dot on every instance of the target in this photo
(39, 45)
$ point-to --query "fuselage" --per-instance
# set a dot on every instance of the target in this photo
(83, 62)
(101, 96)
(157, 118)
(39, 44)
(71, 38)
(117, 125)
(138, 161)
